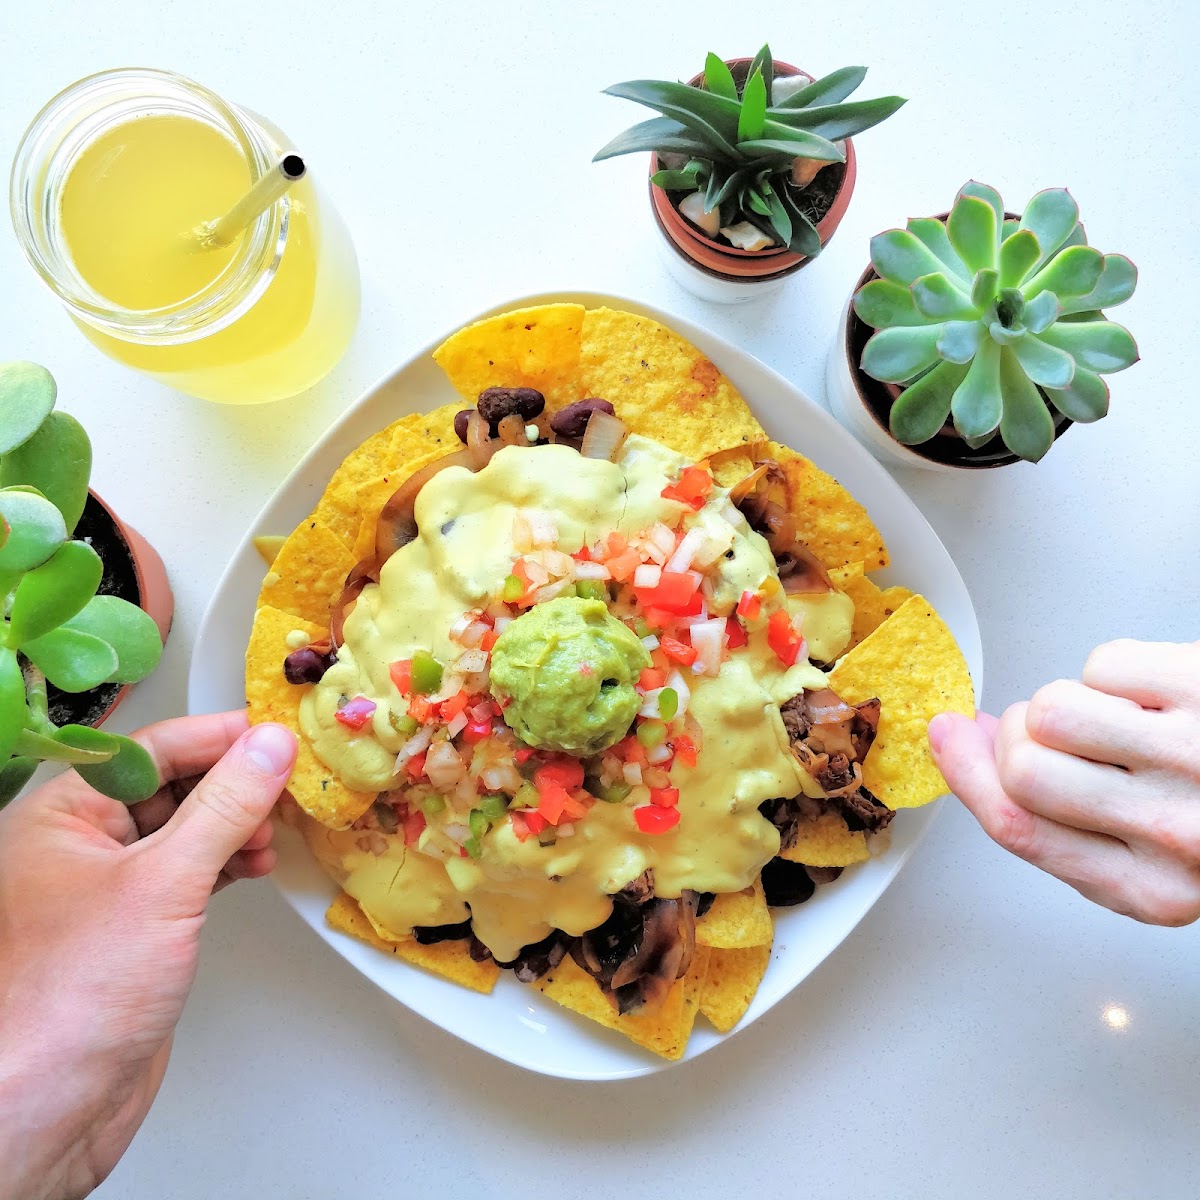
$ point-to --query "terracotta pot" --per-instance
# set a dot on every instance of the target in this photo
(720, 261)
(133, 571)
(864, 404)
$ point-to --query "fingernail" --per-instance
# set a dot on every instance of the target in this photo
(939, 727)
(270, 748)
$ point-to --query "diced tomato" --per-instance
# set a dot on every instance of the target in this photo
(523, 753)
(520, 826)
(685, 750)
(654, 818)
(676, 592)
(574, 809)
(783, 638)
(565, 772)
(420, 709)
(488, 640)
(660, 661)
(449, 709)
(616, 544)
(623, 565)
(414, 826)
(552, 801)
(416, 766)
(735, 635)
(668, 797)
(693, 488)
(651, 678)
(678, 651)
(401, 673)
(749, 606)
(583, 554)
(476, 731)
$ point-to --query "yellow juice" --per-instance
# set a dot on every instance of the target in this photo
(128, 206)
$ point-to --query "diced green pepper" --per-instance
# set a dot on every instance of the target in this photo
(426, 673)
(641, 628)
(526, 797)
(403, 724)
(610, 793)
(494, 807)
(548, 836)
(478, 823)
(591, 589)
(651, 733)
(668, 703)
(473, 848)
(513, 589)
(432, 805)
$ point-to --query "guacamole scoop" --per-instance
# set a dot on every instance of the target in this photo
(565, 672)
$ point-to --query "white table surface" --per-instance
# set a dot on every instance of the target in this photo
(955, 1045)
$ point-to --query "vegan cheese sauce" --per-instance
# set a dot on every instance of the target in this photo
(517, 892)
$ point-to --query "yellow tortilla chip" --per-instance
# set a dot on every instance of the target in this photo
(268, 546)
(373, 494)
(532, 347)
(436, 427)
(665, 1030)
(308, 573)
(828, 841)
(737, 919)
(450, 960)
(271, 698)
(913, 664)
(731, 983)
(872, 604)
(661, 385)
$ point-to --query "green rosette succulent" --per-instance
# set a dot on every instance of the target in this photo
(989, 321)
(749, 152)
(53, 625)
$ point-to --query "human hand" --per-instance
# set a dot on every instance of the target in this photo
(100, 914)
(1096, 781)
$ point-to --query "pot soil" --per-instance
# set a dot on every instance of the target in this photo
(134, 572)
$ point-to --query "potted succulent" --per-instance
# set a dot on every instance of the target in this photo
(752, 166)
(69, 643)
(977, 337)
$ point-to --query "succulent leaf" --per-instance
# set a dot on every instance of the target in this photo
(718, 78)
(36, 529)
(1026, 425)
(1101, 346)
(129, 775)
(753, 199)
(1044, 364)
(1041, 312)
(713, 118)
(941, 299)
(659, 134)
(988, 194)
(45, 746)
(805, 238)
(14, 775)
(978, 402)
(1052, 216)
(960, 341)
(764, 64)
(973, 232)
(837, 121)
(57, 460)
(1086, 400)
(13, 711)
(1116, 284)
(687, 179)
(933, 233)
(752, 116)
(924, 406)
(983, 289)
(27, 394)
(798, 143)
(1019, 254)
(898, 355)
(72, 660)
(129, 630)
(781, 220)
(1073, 272)
(901, 257)
(54, 592)
(829, 89)
(1002, 335)
(883, 303)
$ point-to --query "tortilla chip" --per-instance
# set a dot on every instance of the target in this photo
(268, 546)
(912, 663)
(731, 466)
(271, 698)
(828, 841)
(731, 983)
(665, 1030)
(532, 347)
(436, 427)
(872, 604)
(736, 920)
(373, 494)
(661, 385)
(450, 960)
(308, 573)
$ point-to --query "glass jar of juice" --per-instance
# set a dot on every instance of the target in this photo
(108, 188)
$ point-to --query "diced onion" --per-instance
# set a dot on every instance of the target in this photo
(503, 778)
(482, 711)
(707, 639)
(461, 626)
(659, 754)
(682, 559)
(602, 438)
(715, 544)
(456, 725)
(650, 642)
(675, 680)
(443, 765)
(656, 776)
(537, 573)
(565, 829)
(647, 576)
(543, 528)
(733, 515)
(592, 570)
(415, 744)
(502, 623)
(633, 773)
(473, 634)
(522, 535)
(663, 538)
(456, 832)
(551, 590)
(470, 661)
(557, 563)
(650, 704)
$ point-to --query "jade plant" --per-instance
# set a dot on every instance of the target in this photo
(54, 626)
(989, 321)
(744, 155)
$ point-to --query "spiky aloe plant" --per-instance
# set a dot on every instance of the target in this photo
(977, 313)
(749, 151)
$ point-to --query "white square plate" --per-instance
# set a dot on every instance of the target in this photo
(515, 1023)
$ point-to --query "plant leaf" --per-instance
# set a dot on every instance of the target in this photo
(752, 201)
(713, 118)
(36, 530)
(781, 220)
(1044, 364)
(753, 115)
(973, 232)
(14, 775)
(978, 401)
(659, 134)
(683, 180)
(1041, 312)
(27, 394)
(837, 121)
(1102, 346)
(1086, 400)
(960, 341)
(983, 288)
(129, 776)
(1002, 335)
(13, 710)
(805, 239)
(57, 460)
(829, 89)
(933, 233)
(1073, 272)
(1026, 426)
(901, 257)
(883, 303)
(922, 408)
(131, 633)
(764, 64)
(72, 660)
(47, 749)
(898, 355)
(1115, 285)
(781, 143)
(1052, 216)
(1018, 256)
(988, 194)
(718, 78)
(54, 592)
(942, 300)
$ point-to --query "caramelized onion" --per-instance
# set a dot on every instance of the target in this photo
(480, 444)
(397, 525)
(603, 436)
(360, 575)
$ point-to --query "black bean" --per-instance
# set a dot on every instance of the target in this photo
(460, 423)
(496, 403)
(571, 422)
(307, 665)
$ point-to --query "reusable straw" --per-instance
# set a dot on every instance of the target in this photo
(257, 200)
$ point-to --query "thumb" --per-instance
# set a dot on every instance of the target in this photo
(231, 801)
(965, 753)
